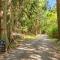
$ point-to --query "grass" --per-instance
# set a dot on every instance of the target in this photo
(29, 37)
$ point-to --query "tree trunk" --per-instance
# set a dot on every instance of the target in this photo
(58, 17)
(0, 17)
(4, 23)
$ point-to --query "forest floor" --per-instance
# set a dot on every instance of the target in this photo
(39, 49)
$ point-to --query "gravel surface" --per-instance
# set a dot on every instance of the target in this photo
(39, 49)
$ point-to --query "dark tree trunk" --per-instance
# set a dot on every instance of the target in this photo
(0, 16)
(58, 17)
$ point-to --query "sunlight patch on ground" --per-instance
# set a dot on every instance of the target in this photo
(47, 39)
(28, 44)
(29, 36)
(43, 48)
(36, 57)
(53, 58)
(25, 48)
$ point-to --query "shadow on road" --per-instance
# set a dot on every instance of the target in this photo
(39, 49)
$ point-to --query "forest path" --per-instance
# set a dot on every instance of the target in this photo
(39, 49)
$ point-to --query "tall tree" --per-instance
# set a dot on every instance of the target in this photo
(4, 23)
(58, 17)
(0, 16)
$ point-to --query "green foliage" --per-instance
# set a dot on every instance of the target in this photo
(27, 17)
(49, 23)
(33, 11)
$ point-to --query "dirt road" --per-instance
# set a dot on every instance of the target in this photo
(39, 49)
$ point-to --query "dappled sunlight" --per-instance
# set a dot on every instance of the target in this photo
(30, 29)
(52, 58)
(36, 57)
(25, 48)
(43, 48)
(34, 50)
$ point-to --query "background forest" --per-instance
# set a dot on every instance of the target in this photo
(19, 18)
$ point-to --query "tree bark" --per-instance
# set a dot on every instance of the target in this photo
(58, 17)
(4, 23)
(0, 17)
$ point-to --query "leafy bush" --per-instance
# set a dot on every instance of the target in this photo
(52, 31)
